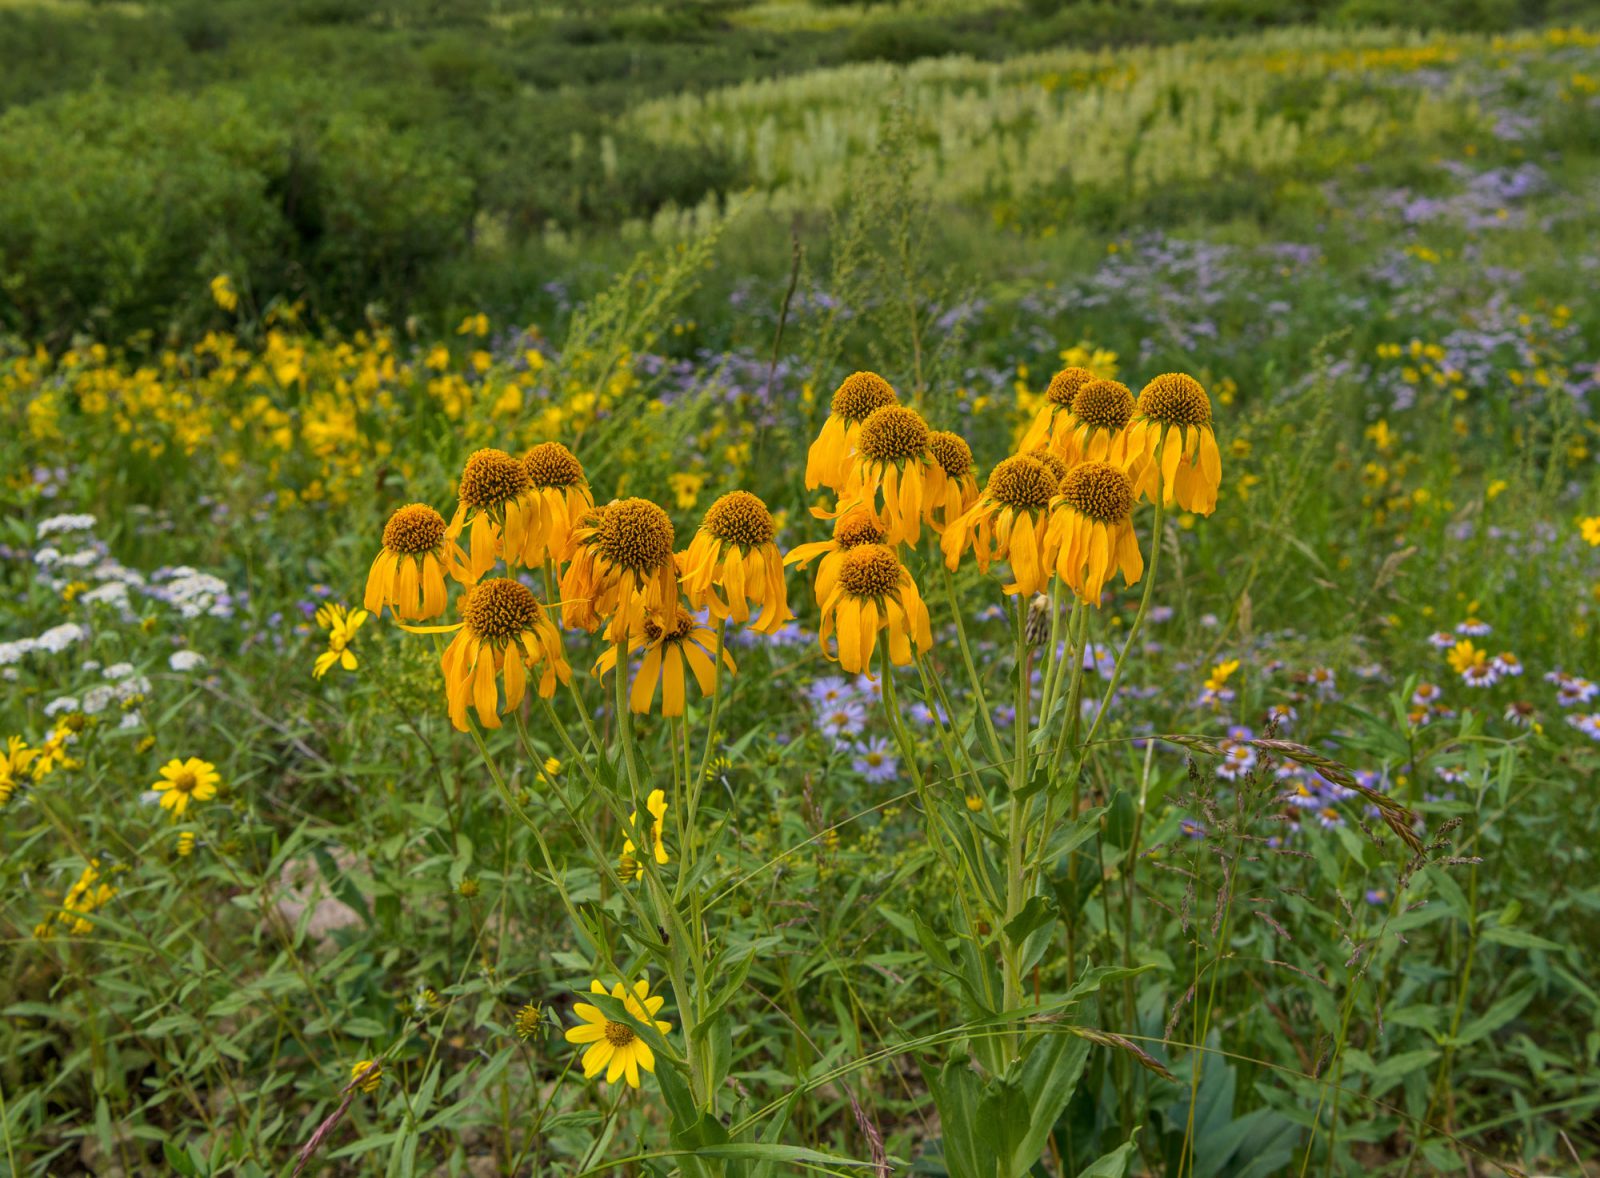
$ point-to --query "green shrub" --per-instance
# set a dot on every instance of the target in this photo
(899, 41)
(114, 215)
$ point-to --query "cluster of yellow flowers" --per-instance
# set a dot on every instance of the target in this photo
(616, 567)
(89, 892)
(23, 764)
(1061, 505)
(318, 415)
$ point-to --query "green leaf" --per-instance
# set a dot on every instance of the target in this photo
(957, 1091)
(1036, 913)
(1494, 1018)
(1099, 975)
(1516, 938)
(1049, 1076)
(933, 945)
(1113, 1164)
(179, 1160)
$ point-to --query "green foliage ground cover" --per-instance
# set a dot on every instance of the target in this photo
(1390, 310)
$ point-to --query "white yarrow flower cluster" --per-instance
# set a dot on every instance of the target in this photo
(57, 525)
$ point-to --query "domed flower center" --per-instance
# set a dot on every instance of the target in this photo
(740, 518)
(185, 781)
(1023, 481)
(492, 477)
(618, 1035)
(1099, 491)
(500, 609)
(413, 529)
(550, 464)
(951, 452)
(635, 534)
(682, 625)
(894, 434)
(859, 394)
(858, 528)
(1175, 398)
(1065, 384)
(1104, 404)
(1053, 463)
(870, 571)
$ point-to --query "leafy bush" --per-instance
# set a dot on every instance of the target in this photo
(899, 41)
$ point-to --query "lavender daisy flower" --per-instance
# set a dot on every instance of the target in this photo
(875, 761)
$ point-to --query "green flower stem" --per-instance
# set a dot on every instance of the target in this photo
(957, 756)
(1017, 880)
(538, 835)
(996, 752)
(1138, 620)
(711, 725)
(682, 948)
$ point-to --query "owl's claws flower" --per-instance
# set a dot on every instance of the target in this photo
(874, 591)
(408, 574)
(495, 510)
(1091, 529)
(666, 650)
(1098, 426)
(1172, 446)
(893, 462)
(623, 568)
(561, 498)
(1009, 521)
(829, 459)
(851, 530)
(733, 552)
(504, 631)
(1053, 423)
(952, 480)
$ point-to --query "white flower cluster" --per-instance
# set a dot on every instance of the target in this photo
(52, 641)
(71, 554)
(186, 660)
(124, 688)
(59, 524)
(194, 594)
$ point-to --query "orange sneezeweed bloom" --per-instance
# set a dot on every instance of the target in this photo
(1054, 418)
(1010, 522)
(561, 498)
(854, 528)
(494, 510)
(622, 569)
(874, 592)
(408, 573)
(666, 651)
(828, 460)
(890, 472)
(1171, 440)
(732, 563)
(503, 632)
(1091, 529)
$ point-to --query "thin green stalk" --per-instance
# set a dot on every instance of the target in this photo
(995, 749)
(1133, 630)
(1017, 806)
(716, 700)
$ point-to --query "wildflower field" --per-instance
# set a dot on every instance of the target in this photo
(971, 600)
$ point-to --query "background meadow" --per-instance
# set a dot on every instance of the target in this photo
(269, 272)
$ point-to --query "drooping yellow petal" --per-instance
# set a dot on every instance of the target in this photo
(643, 692)
(483, 692)
(672, 695)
